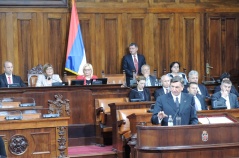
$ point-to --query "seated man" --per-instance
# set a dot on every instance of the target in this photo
(199, 99)
(233, 90)
(150, 80)
(193, 77)
(175, 104)
(225, 96)
(8, 78)
(165, 80)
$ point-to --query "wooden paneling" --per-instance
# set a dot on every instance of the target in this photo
(52, 3)
(189, 31)
(164, 41)
(222, 43)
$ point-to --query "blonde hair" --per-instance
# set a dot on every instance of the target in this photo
(90, 66)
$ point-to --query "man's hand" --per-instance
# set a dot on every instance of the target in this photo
(224, 93)
(162, 115)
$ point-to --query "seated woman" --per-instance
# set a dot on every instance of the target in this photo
(174, 71)
(141, 93)
(88, 74)
(48, 77)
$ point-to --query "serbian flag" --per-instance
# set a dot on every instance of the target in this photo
(75, 57)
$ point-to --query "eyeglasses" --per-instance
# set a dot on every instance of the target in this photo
(87, 69)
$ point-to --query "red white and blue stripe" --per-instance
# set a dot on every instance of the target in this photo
(75, 57)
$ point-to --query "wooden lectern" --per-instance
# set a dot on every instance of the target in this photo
(220, 140)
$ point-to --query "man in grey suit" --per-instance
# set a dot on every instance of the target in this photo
(175, 104)
(165, 80)
(199, 99)
(224, 97)
(150, 80)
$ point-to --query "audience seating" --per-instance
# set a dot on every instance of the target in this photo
(117, 143)
(115, 78)
(123, 121)
(103, 117)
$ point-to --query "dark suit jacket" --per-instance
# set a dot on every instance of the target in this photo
(232, 98)
(201, 99)
(186, 109)
(201, 87)
(152, 80)
(233, 90)
(16, 79)
(128, 66)
(158, 92)
(134, 94)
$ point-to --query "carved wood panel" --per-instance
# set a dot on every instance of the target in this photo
(222, 43)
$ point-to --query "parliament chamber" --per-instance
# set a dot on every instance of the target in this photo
(200, 34)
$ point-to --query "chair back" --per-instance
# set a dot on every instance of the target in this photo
(122, 115)
(103, 102)
(115, 78)
(33, 74)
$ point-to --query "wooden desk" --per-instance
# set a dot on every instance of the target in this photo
(82, 103)
(233, 112)
(197, 141)
(45, 138)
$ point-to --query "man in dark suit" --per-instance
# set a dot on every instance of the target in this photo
(132, 62)
(199, 99)
(176, 104)
(233, 90)
(193, 77)
(224, 97)
(150, 80)
(165, 81)
(8, 78)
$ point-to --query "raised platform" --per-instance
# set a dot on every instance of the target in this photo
(91, 151)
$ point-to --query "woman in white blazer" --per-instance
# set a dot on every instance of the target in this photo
(48, 77)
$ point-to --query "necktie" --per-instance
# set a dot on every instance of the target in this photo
(167, 91)
(9, 80)
(136, 64)
(177, 102)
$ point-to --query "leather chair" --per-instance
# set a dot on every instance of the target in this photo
(103, 117)
(33, 80)
(115, 78)
(123, 121)
(69, 78)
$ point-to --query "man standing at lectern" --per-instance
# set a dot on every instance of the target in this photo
(8, 78)
(176, 104)
(132, 61)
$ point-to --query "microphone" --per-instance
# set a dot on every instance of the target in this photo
(176, 114)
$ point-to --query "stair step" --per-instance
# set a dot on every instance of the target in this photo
(91, 151)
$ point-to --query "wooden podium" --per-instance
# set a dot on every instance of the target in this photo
(192, 141)
(45, 138)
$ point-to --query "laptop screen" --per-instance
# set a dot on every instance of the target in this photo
(99, 81)
(13, 85)
(77, 82)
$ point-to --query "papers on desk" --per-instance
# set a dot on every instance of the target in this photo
(214, 120)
